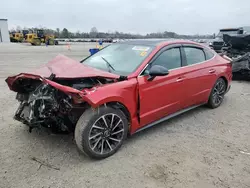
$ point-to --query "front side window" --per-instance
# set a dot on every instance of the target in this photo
(169, 59)
(121, 59)
(194, 55)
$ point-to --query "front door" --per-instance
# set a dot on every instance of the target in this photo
(162, 95)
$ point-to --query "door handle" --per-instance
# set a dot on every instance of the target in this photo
(179, 79)
(211, 71)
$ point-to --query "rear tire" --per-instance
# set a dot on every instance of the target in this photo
(217, 93)
(99, 133)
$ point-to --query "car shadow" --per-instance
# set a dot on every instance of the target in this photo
(64, 144)
(172, 123)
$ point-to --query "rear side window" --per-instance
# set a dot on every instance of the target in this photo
(209, 54)
(170, 59)
(194, 55)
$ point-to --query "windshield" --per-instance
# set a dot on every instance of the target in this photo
(121, 59)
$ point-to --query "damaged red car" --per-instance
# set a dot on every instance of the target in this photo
(122, 89)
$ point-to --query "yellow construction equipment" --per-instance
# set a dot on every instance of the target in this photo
(38, 37)
(16, 37)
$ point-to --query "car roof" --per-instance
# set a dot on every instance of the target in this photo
(147, 42)
(157, 42)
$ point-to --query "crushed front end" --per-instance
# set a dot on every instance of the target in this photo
(56, 104)
(45, 106)
(56, 94)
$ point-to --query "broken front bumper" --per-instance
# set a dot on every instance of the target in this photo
(24, 115)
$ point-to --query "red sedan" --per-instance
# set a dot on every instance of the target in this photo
(122, 89)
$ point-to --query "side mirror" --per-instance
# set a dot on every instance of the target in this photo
(157, 70)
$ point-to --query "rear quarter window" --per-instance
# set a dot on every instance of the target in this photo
(209, 54)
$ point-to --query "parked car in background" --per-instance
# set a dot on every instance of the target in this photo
(120, 90)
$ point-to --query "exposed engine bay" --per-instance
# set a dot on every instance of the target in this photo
(43, 105)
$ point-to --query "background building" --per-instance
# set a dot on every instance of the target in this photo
(4, 33)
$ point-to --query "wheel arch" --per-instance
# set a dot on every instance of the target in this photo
(225, 79)
(116, 104)
(220, 76)
(122, 107)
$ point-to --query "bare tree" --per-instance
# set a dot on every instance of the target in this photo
(93, 30)
(65, 33)
(58, 32)
(12, 29)
(18, 29)
(78, 34)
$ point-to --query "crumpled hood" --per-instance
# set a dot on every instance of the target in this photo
(62, 67)
(65, 67)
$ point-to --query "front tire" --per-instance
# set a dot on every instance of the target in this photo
(217, 93)
(99, 133)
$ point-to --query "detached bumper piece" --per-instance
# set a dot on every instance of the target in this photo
(25, 114)
(241, 67)
(238, 49)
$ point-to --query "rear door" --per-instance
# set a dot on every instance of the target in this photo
(199, 73)
(161, 96)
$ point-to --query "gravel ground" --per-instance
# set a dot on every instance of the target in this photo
(201, 148)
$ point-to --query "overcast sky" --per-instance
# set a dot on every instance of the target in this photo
(135, 16)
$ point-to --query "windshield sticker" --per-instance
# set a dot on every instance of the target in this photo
(140, 48)
(143, 53)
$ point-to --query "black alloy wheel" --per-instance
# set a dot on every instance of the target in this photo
(106, 134)
(217, 93)
(100, 133)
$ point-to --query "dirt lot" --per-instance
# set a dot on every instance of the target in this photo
(203, 148)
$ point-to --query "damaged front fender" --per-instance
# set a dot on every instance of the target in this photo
(123, 92)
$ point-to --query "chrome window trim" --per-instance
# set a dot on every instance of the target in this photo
(179, 67)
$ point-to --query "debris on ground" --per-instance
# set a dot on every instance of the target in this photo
(244, 153)
(43, 163)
